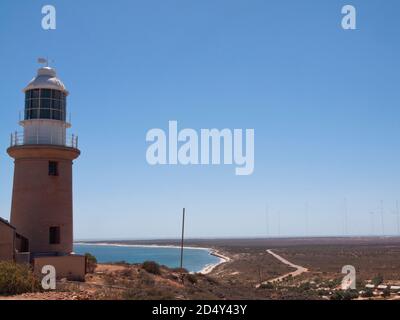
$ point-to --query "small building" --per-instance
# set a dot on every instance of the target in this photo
(7, 241)
(13, 246)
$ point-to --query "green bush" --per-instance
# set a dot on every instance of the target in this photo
(151, 267)
(305, 286)
(377, 280)
(17, 279)
(345, 295)
(386, 293)
(368, 293)
(91, 263)
(267, 285)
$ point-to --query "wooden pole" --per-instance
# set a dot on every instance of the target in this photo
(183, 236)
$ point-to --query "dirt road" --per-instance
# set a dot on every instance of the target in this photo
(299, 269)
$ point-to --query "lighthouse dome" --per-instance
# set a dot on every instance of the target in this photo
(46, 79)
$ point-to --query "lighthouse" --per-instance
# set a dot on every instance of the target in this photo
(42, 201)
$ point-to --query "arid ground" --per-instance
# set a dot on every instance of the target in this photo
(251, 272)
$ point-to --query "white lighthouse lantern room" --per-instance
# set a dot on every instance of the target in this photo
(45, 119)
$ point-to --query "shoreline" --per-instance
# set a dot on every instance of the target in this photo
(206, 270)
(104, 244)
(222, 259)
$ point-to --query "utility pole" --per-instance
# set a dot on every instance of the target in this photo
(183, 236)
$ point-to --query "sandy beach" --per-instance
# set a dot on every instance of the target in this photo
(206, 270)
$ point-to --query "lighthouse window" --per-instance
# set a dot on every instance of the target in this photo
(56, 94)
(35, 93)
(56, 104)
(45, 104)
(34, 104)
(45, 93)
(53, 168)
(55, 236)
(45, 114)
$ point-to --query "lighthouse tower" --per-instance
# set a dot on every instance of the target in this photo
(43, 153)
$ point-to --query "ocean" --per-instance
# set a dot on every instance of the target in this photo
(194, 260)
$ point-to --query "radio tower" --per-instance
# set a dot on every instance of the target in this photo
(382, 219)
(345, 217)
(398, 217)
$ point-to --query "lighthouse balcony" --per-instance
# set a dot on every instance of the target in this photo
(57, 139)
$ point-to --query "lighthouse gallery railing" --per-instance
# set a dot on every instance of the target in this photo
(19, 139)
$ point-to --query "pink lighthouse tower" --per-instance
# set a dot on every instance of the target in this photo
(42, 205)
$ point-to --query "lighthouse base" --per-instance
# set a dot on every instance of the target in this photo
(71, 267)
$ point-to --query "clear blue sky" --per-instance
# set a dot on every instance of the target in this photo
(324, 104)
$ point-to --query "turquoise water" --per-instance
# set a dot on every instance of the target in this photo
(194, 259)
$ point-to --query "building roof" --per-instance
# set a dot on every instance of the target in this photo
(46, 79)
(6, 223)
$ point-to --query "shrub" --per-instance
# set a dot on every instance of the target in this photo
(386, 293)
(191, 278)
(151, 267)
(17, 279)
(91, 263)
(148, 294)
(305, 286)
(377, 280)
(368, 293)
(350, 294)
(180, 270)
(336, 296)
(267, 285)
(345, 295)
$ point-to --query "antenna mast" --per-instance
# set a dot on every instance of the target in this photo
(345, 217)
(398, 217)
(382, 219)
(307, 219)
(267, 219)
